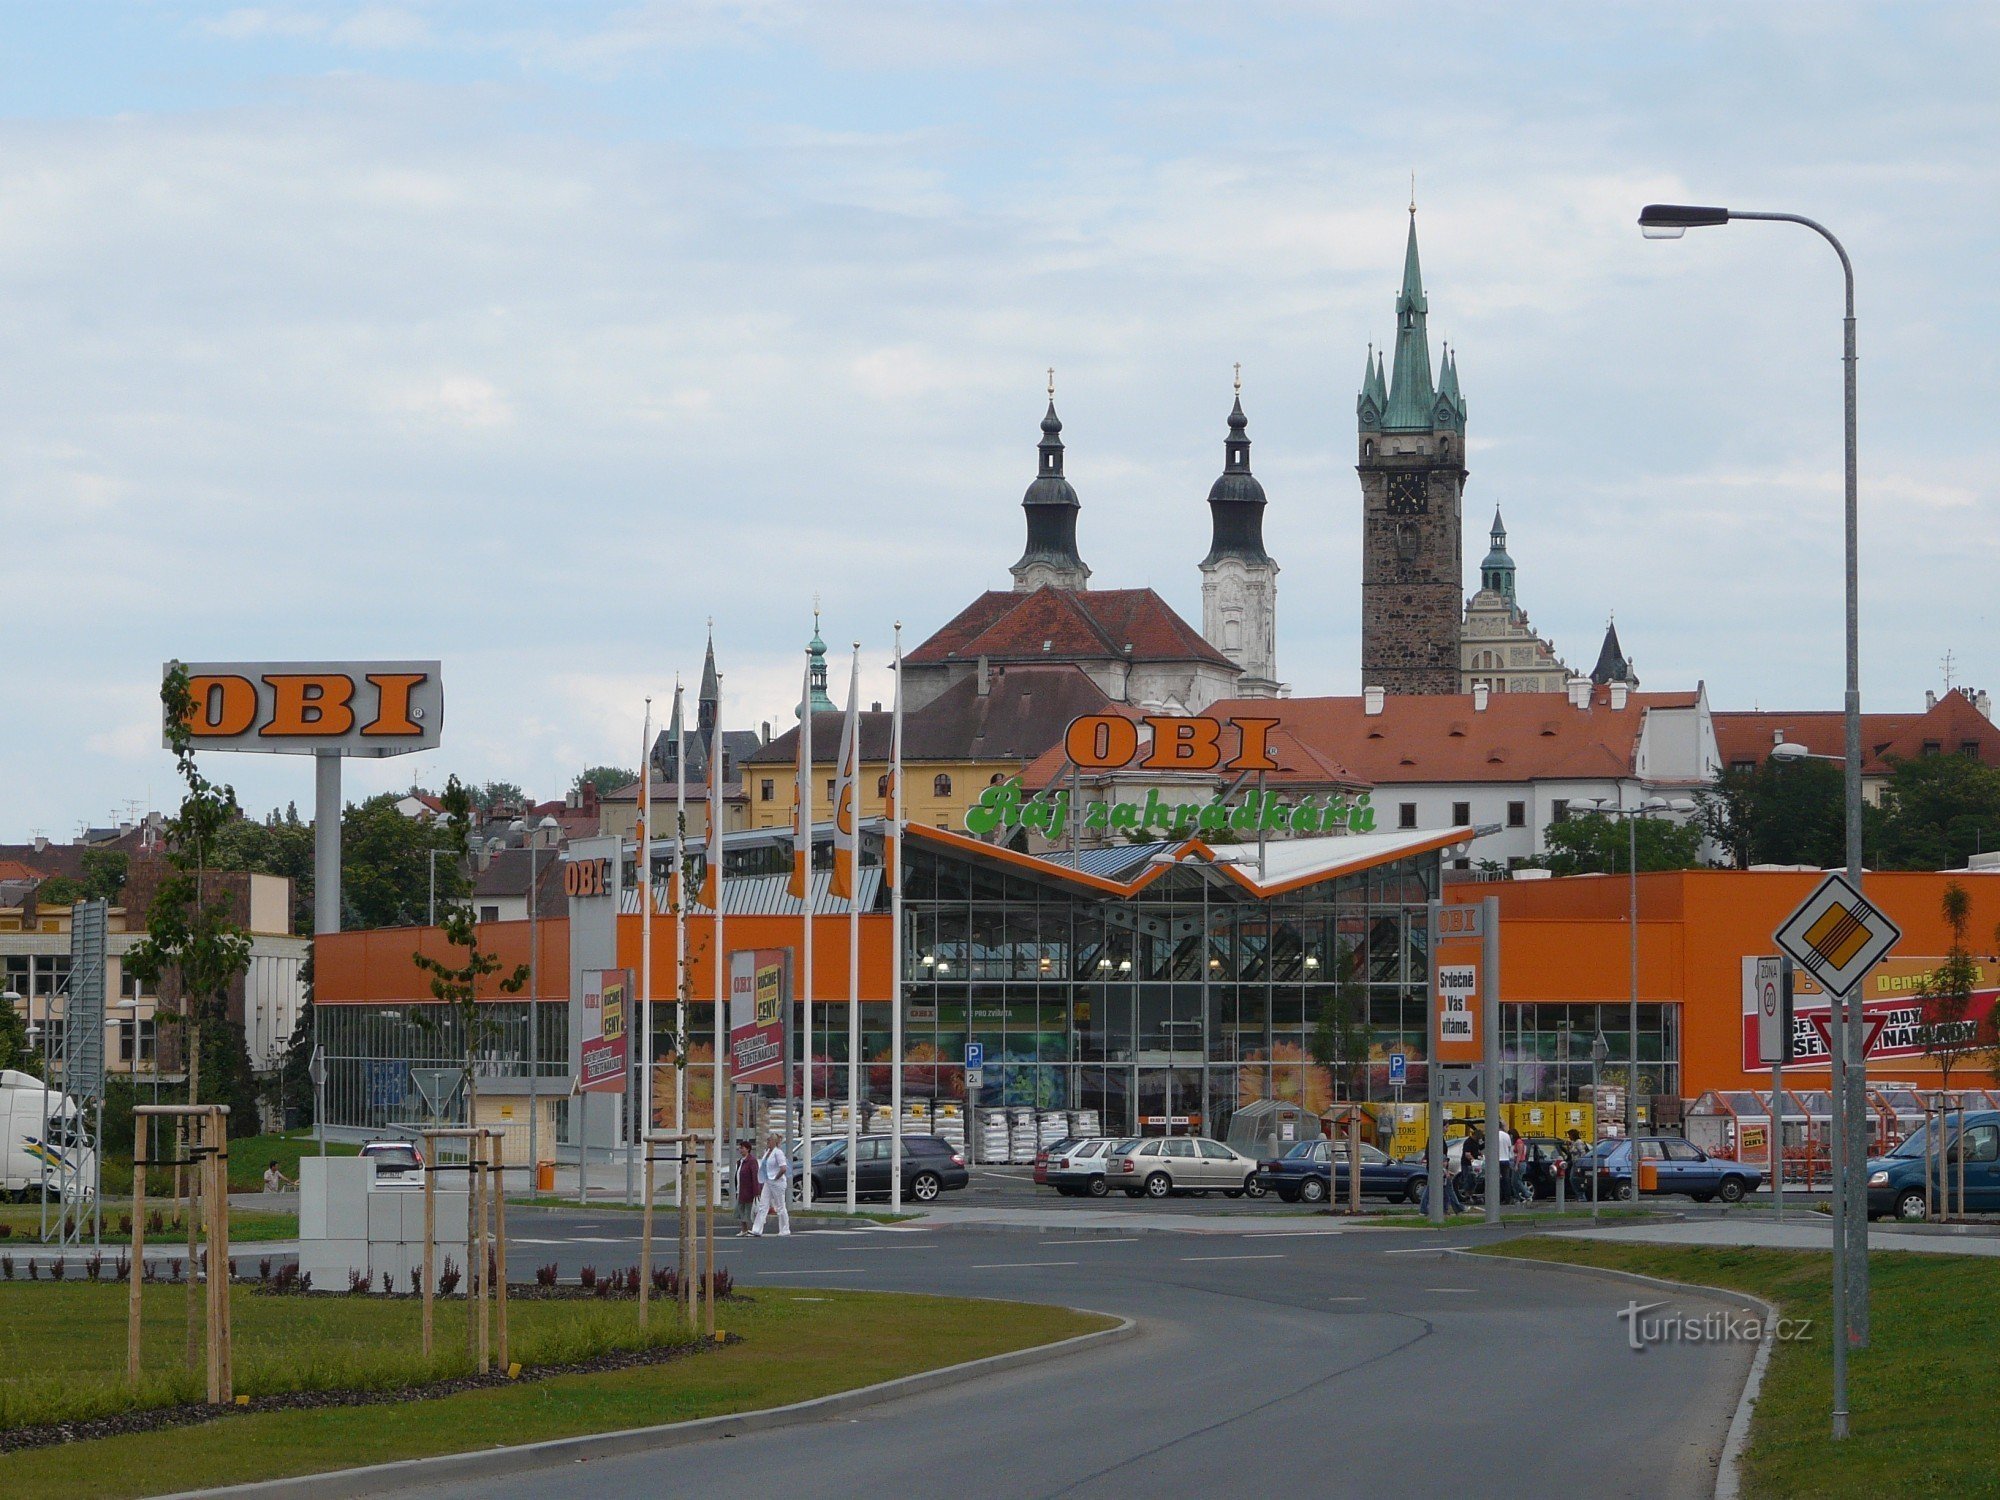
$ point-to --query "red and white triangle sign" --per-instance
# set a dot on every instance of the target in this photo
(1822, 1022)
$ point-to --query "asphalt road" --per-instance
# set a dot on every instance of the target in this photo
(1302, 1361)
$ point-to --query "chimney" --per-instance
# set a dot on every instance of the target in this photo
(1371, 700)
(1479, 692)
(1983, 701)
(985, 685)
(41, 843)
(764, 733)
(1579, 692)
(1618, 692)
(590, 796)
(875, 707)
(1777, 736)
(1930, 700)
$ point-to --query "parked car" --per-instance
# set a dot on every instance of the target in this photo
(1043, 1156)
(1166, 1165)
(1304, 1174)
(1683, 1168)
(1078, 1169)
(1896, 1182)
(395, 1160)
(930, 1167)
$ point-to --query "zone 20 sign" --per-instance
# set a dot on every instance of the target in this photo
(345, 708)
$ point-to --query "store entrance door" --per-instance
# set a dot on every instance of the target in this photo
(1169, 1101)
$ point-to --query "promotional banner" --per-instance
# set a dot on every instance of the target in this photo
(607, 1000)
(759, 990)
(1892, 1007)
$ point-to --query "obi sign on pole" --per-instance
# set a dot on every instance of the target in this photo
(759, 990)
(1458, 1012)
(606, 1045)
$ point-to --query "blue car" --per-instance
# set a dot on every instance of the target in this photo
(1896, 1182)
(1683, 1168)
(1303, 1174)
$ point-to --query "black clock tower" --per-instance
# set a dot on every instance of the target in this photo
(1412, 467)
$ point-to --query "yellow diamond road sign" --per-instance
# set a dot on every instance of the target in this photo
(1837, 936)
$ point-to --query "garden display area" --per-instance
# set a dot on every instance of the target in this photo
(336, 1379)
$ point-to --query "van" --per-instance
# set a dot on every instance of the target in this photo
(41, 1129)
(1896, 1182)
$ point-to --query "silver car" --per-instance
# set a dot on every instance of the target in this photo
(1165, 1165)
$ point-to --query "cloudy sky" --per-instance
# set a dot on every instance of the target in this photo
(530, 337)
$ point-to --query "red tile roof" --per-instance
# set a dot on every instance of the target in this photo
(1949, 726)
(1079, 625)
(1443, 738)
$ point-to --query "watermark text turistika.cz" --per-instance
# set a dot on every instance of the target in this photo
(1646, 1326)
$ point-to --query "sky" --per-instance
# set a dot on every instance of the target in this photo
(533, 338)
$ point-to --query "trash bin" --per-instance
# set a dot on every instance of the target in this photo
(545, 1177)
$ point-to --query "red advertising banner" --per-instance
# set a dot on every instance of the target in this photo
(607, 1002)
(1892, 1009)
(759, 990)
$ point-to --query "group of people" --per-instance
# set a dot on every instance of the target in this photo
(1518, 1167)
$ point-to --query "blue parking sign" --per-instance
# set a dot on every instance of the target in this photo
(975, 1054)
(1399, 1068)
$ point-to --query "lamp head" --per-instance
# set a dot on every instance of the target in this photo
(1669, 221)
(1789, 750)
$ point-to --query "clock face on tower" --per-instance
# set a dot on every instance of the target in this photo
(1406, 494)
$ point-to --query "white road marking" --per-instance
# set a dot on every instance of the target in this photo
(1287, 1234)
(891, 1247)
(1273, 1256)
(1132, 1239)
(815, 1271)
(1347, 1299)
(1015, 1265)
(1419, 1250)
(1465, 1289)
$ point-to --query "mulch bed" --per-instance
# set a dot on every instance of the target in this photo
(155, 1419)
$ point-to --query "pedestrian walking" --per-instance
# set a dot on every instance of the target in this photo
(775, 1173)
(749, 1186)
(1503, 1143)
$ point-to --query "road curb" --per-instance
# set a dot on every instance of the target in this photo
(1729, 1466)
(491, 1463)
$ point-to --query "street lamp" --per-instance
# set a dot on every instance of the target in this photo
(1789, 750)
(1850, 1070)
(1632, 815)
(547, 825)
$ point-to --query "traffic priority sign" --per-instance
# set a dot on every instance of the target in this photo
(1871, 1029)
(1837, 935)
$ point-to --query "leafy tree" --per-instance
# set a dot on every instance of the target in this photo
(104, 873)
(386, 864)
(1594, 843)
(282, 844)
(1341, 1036)
(1946, 1032)
(14, 1049)
(58, 890)
(493, 793)
(189, 931)
(1937, 811)
(456, 982)
(1781, 813)
(606, 779)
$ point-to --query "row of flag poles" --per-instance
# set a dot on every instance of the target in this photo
(844, 884)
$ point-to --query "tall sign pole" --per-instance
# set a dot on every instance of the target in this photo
(1433, 1107)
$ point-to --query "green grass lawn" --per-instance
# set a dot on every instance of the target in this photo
(246, 1227)
(1919, 1422)
(795, 1345)
(250, 1154)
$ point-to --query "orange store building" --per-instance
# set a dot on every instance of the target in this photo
(1566, 976)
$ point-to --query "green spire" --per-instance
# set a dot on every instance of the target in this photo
(1373, 400)
(1410, 391)
(1497, 571)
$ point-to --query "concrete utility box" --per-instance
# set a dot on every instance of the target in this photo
(351, 1221)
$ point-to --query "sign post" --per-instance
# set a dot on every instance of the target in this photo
(1433, 1116)
(975, 1071)
(1490, 960)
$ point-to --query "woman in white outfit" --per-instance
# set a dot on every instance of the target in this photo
(775, 1169)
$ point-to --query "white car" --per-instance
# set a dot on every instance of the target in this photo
(1166, 1165)
(401, 1162)
(1079, 1168)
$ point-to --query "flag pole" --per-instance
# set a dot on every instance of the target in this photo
(677, 888)
(718, 867)
(807, 910)
(645, 931)
(893, 870)
(853, 805)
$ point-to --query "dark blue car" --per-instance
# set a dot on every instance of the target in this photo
(1304, 1174)
(1683, 1167)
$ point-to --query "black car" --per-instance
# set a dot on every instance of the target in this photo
(930, 1167)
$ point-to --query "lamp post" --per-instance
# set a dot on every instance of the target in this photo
(1632, 815)
(547, 825)
(1850, 1069)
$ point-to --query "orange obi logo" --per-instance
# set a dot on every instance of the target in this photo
(345, 708)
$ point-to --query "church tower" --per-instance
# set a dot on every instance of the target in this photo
(1412, 468)
(1239, 581)
(1050, 559)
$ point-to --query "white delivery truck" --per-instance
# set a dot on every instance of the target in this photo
(41, 1130)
